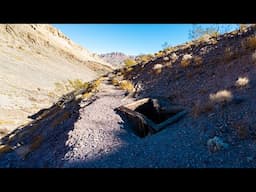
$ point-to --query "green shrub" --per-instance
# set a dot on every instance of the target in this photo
(129, 62)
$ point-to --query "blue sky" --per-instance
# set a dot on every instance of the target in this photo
(132, 39)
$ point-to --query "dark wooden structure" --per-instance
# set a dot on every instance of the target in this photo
(149, 116)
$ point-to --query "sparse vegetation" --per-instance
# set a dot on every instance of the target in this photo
(166, 58)
(77, 84)
(95, 84)
(5, 148)
(186, 59)
(168, 64)
(91, 88)
(144, 58)
(198, 60)
(157, 68)
(159, 54)
(242, 81)
(115, 81)
(228, 54)
(129, 62)
(214, 30)
(250, 42)
(166, 45)
(221, 96)
(126, 85)
(174, 57)
(70, 85)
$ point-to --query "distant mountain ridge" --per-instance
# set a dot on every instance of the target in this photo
(116, 59)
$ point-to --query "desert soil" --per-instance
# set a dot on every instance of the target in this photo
(99, 137)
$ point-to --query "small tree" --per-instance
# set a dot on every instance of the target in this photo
(212, 30)
(165, 45)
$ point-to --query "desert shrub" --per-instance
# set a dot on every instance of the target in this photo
(5, 148)
(144, 58)
(186, 59)
(221, 96)
(86, 95)
(168, 64)
(129, 62)
(228, 54)
(242, 81)
(173, 57)
(115, 81)
(70, 85)
(126, 85)
(213, 30)
(158, 68)
(166, 58)
(159, 54)
(198, 60)
(77, 84)
(95, 84)
(250, 42)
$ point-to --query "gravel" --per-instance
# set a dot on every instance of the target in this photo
(100, 138)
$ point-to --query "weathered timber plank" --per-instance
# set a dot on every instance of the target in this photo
(170, 121)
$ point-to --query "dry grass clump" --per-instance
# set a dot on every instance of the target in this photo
(242, 82)
(166, 58)
(228, 54)
(159, 54)
(221, 96)
(174, 57)
(186, 60)
(250, 42)
(91, 88)
(198, 60)
(129, 62)
(126, 85)
(158, 68)
(5, 148)
(70, 85)
(114, 81)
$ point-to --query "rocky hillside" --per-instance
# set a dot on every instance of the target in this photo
(213, 80)
(33, 58)
(116, 58)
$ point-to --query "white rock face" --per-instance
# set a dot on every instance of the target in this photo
(33, 57)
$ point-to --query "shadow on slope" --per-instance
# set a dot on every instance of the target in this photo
(41, 143)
